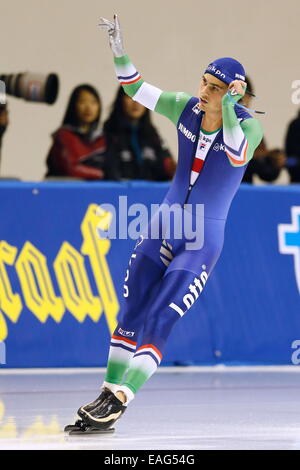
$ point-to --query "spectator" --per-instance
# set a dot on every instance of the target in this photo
(134, 142)
(79, 147)
(3, 122)
(292, 148)
(266, 165)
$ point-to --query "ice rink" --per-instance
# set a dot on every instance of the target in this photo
(182, 409)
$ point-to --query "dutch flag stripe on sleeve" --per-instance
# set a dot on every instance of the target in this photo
(236, 145)
(127, 73)
(140, 91)
(150, 350)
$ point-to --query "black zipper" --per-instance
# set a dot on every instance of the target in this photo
(188, 194)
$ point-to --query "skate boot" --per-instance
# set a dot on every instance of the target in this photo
(105, 414)
(81, 426)
(103, 395)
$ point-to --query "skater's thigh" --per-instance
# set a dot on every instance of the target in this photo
(142, 277)
(179, 290)
(190, 258)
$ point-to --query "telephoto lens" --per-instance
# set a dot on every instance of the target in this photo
(30, 86)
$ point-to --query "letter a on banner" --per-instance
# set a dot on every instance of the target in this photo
(74, 284)
(10, 303)
(96, 249)
(36, 284)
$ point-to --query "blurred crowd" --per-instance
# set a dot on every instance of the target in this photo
(128, 146)
(274, 165)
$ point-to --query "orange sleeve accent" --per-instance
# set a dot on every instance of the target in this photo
(239, 162)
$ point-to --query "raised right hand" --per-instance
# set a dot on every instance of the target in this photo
(115, 35)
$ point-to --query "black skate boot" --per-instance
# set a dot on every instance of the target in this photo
(103, 395)
(83, 427)
(104, 415)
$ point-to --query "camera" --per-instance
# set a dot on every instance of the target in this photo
(36, 87)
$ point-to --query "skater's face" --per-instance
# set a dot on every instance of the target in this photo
(133, 109)
(211, 92)
(87, 108)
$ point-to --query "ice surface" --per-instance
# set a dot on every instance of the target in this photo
(185, 409)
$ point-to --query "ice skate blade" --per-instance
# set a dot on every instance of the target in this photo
(70, 427)
(89, 430)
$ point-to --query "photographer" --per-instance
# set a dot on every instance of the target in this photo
(3, 122)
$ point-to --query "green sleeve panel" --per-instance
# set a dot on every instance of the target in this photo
(168, 104)
(253, 131)
(236, 131)
(171, 104)
(131, 90)
(123, 67)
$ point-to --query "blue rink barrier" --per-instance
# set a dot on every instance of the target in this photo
(61, 286)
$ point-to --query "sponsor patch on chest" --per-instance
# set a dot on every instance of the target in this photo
(186, 132)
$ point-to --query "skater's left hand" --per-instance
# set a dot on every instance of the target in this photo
(237, 87)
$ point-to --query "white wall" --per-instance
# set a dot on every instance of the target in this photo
(170, 42)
